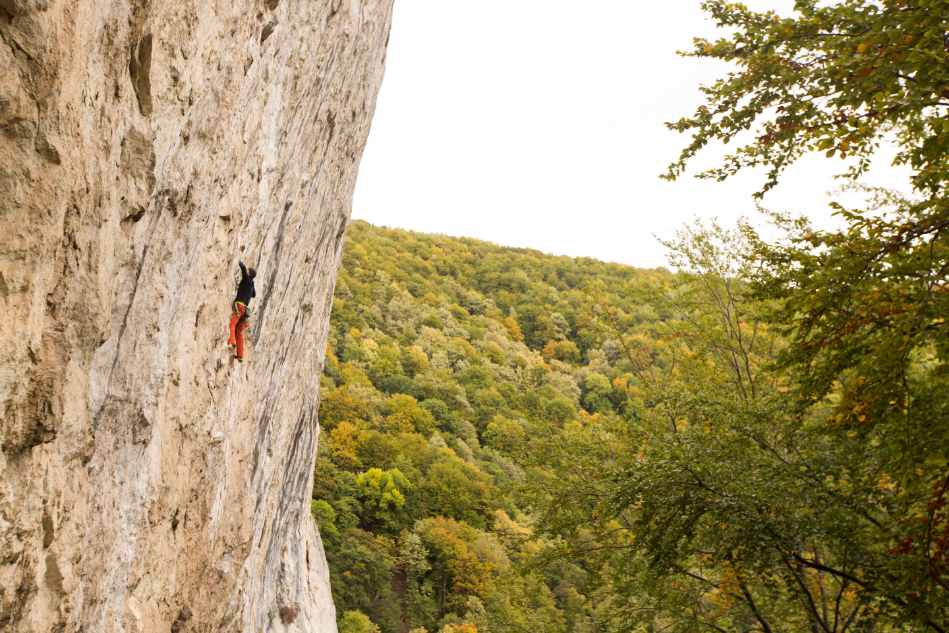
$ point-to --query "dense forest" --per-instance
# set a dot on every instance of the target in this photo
(443, 355)
(758, 441)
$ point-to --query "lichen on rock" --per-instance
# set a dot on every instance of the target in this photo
(146, 148)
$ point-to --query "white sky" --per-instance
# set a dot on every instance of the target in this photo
(539, 123)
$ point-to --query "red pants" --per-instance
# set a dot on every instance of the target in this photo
(238, 323)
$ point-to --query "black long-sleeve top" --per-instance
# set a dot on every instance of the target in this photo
(245, 291)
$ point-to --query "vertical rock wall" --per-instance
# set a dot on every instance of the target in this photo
(145, 147)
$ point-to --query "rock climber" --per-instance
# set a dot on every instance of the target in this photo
(240, 314)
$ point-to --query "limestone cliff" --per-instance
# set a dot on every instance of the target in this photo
(145, 147)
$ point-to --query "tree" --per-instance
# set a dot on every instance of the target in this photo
(474, 303)
(863, 306)
(376, 448)
(464, 627)
(383, 499)
(550, 350)
(447, 419)
(433, 321)
(338, 406)
(721, 506)
(567, 351)
(360, 570)
(453, 488)
(357, 622)
(487, 403)
(790, 470)
(513, 329)
(403, 415)
(598, 392)
(832, 78)
(505, 435)
(413, 559)
(344, 443)
(560, 410)
(386, 365)
(325, 518)
(560, 326)
(403, 384)
(414, 361)
(456, 564)
(494, 353)
(353, 376)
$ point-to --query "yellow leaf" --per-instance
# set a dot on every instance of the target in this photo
(862, 48)
(783, 389)
(708, 48)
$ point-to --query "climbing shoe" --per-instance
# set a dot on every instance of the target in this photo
(239, 359)
(230, 346)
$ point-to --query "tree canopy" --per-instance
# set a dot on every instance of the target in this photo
(791, 472)
(443, 355)
(757, 442)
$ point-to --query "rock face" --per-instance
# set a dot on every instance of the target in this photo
(145, 147)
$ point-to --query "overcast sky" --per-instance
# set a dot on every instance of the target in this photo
(539, 123)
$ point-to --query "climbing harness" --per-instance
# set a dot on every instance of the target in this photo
(245, 318)
(215, 523)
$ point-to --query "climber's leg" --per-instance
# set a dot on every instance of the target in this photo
(241, 324)
(235, 317)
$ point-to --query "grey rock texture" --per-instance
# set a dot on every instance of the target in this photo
(145, 147)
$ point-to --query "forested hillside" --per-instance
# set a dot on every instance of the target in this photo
(443, 355)
(758, 442)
